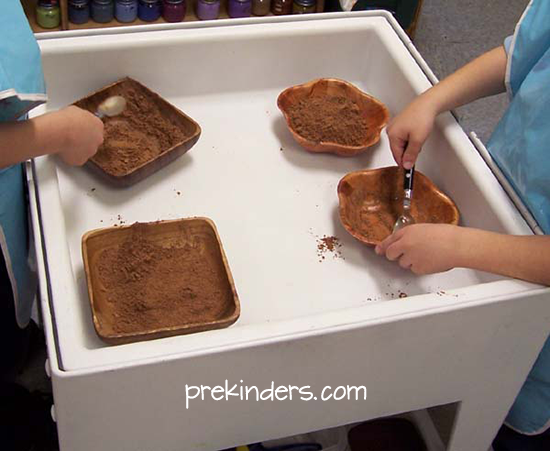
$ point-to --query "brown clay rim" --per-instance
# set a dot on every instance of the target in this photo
(374, 111)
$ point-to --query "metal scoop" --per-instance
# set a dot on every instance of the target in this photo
(406, 219)
(111, 106)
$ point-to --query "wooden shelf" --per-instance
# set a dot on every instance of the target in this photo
(30, 6)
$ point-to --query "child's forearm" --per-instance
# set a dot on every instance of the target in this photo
(72, 133)
(22, 140)
(521, 257)
(482, 77)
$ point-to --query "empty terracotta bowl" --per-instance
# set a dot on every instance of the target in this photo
(333, 116)
(372, 200)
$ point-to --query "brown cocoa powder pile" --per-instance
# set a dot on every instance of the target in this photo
(334, 119)
(328, 244)
(149, 287)
(136, 136)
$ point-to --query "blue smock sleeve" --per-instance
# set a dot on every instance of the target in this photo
(22, 84)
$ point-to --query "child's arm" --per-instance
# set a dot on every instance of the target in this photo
(481, 77)
(430, 248)
(72, 133)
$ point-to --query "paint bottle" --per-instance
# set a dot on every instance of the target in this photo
(103, 11)
(208, 9)
(261, 7)
(79, 11)
(239, 8)
(304, 6)
(174, 10)
(280, 7)
(48, 14)
(149, 10)
(126, 11)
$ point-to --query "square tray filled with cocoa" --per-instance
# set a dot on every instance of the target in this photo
(158, 279)
(149, 134)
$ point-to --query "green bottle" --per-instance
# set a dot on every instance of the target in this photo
(48, 14)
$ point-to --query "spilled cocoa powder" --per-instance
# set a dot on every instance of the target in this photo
(136, 136)
(335, 119)
(147, 286)
(328, 244)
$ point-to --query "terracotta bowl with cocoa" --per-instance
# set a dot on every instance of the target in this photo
(158, 279)
(329, 115)
(148, 135)
(372, 200)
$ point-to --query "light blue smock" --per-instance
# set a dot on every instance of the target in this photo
(520, 145)
(21, 89)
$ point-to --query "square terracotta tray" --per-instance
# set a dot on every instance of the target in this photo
(158, 279)
(162, 133)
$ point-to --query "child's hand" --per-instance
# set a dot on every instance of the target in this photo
(82, 132)
(423, 248)
(409, 130)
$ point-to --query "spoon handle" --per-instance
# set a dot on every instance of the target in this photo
(408, 182)
(408, 179)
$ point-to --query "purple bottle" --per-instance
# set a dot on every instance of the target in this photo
(239, 8)
(208, 9)
(173, 10)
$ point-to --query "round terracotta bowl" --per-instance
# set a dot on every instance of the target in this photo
(371, 109)
(372, 200)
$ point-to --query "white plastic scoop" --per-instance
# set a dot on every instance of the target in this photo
(111, 106)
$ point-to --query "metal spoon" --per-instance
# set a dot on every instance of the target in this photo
(406, 219)
(111, 106)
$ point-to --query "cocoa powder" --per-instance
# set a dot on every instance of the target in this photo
(334, 119)
(148, 286)
(328, 244)
(136, 136)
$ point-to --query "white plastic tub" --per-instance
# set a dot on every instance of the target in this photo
(303, 322)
